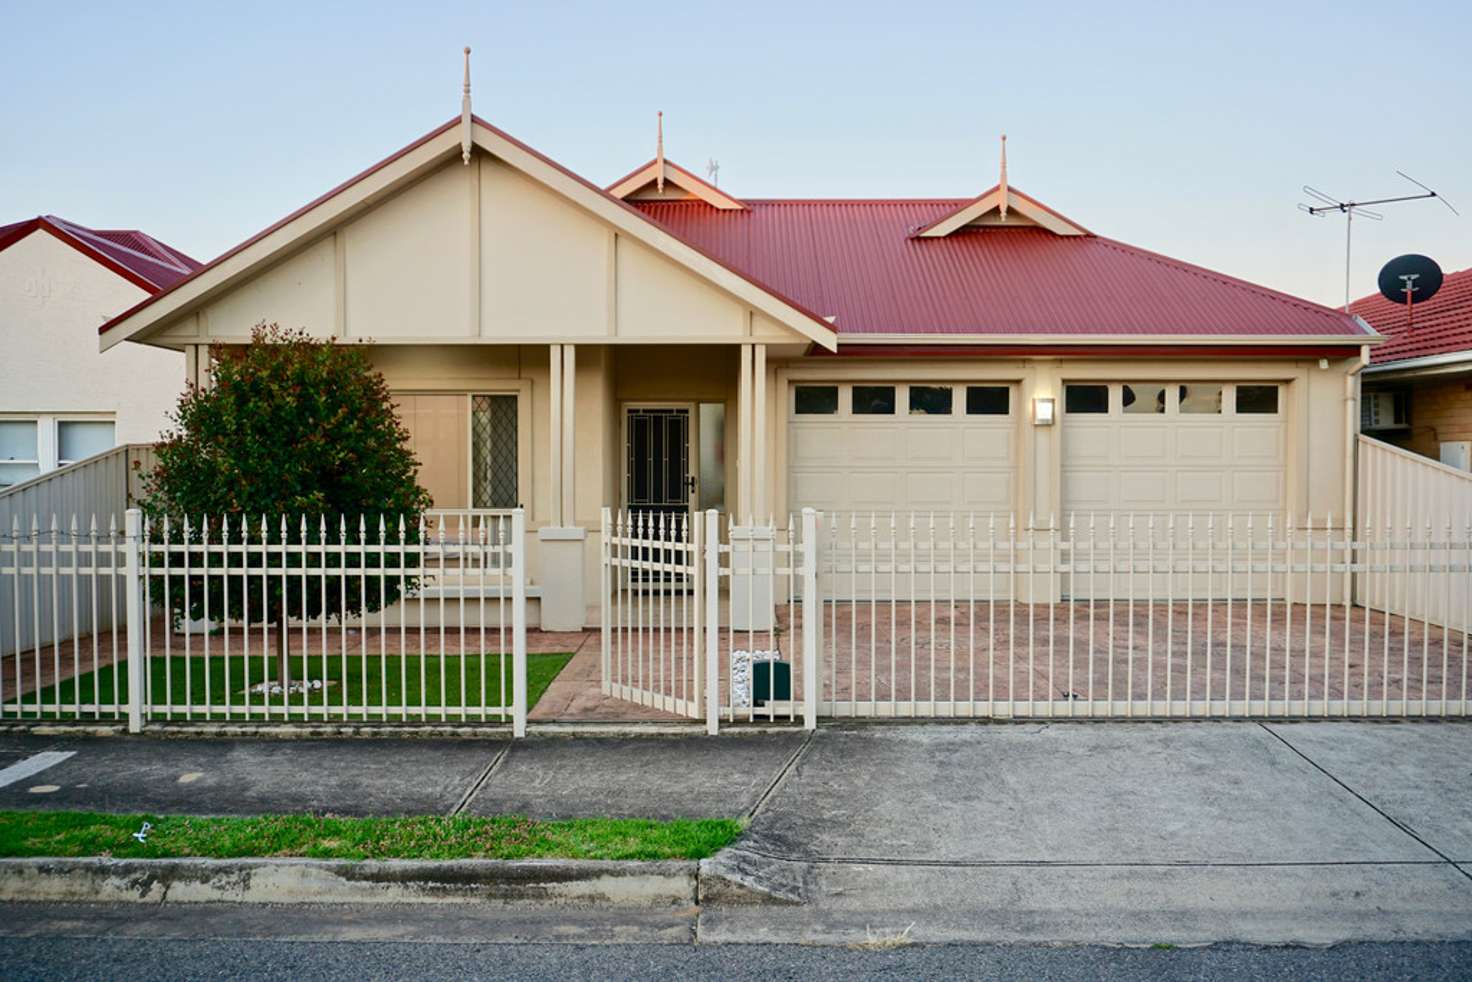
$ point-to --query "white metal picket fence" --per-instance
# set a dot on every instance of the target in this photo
(1150, 616)
(360, 620)
(939, 616)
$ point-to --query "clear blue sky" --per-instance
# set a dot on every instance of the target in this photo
(1182, 127)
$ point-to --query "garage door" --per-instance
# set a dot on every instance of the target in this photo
(897, 447)
(1156, 447)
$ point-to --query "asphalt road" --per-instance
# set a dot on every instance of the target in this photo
(71, 958)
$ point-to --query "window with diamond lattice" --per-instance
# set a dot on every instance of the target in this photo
(493, 452)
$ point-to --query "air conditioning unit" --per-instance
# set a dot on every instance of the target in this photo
(1383, 411)
(1457, 453)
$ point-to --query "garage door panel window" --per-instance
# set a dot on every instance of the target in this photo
(988, 400)
(815, 400)
(873, 400)
(1257, 400)
(930, 400)
(1201, 398)
(1147, 398)
(1086, 399)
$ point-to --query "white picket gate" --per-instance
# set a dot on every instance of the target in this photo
(703, 618)
(286, 620)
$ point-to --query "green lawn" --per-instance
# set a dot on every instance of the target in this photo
(393, 678)
(59, 834)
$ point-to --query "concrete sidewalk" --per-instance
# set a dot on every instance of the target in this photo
(1084, 832)
(547, 777)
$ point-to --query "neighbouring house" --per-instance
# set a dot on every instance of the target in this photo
(1418, 387)
(61, 400)
(664, 345)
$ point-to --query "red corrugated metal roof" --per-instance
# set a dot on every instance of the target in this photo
(138, 257)
(1442, 325)
(857, 260)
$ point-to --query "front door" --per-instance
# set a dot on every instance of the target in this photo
(659, 483)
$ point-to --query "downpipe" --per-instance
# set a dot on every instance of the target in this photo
(1351, 444)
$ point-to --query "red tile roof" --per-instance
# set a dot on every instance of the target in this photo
(857, 260)
(1441, 326)
(137, 257)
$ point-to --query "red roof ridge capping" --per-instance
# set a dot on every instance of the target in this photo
(453, 122)
(1441, 325)
(1233, 281)
(147, 243)
(157, 252)
(149, 272)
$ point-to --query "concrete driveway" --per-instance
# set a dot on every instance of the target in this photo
(1135, 833)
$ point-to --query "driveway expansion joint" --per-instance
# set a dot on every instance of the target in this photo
(1366, 801)
(479, 782)
(781, 776)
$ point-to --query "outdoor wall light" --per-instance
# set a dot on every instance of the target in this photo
(1042, 411)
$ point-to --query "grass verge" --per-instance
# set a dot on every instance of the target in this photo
(371, 681)
(73, 834)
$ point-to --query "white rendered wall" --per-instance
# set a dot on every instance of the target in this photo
(52, 300)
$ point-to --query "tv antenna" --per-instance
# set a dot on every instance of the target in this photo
(1351, 209)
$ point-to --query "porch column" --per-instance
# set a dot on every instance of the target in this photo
(560, 541)
(761, 505)
(554, 436)
(744, 439)
(752, 554)
(569, 434)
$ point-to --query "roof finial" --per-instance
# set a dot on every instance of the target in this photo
(659, 156)
(1002, 184)
(465, 112)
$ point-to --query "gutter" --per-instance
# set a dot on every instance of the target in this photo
(1426, 361)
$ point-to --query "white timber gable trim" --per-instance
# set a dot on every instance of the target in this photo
(322, 236)
(996, 208)
(648, 182)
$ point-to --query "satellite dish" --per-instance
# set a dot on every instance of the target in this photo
(1418, 274)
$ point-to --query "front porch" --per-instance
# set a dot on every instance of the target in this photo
(564, 430)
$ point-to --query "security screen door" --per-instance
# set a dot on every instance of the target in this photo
(658, 479)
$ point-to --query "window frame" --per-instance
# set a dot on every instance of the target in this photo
(69, 418)
(48, 438)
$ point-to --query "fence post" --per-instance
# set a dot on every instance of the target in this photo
(605, 600)
(712, 622)
(518, 623)
(810, 619)
(134, 615)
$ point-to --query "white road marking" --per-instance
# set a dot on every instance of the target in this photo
(34, 764)
(44, 788)
(190, 777)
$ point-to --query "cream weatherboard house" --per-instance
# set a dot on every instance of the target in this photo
(663, 345)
